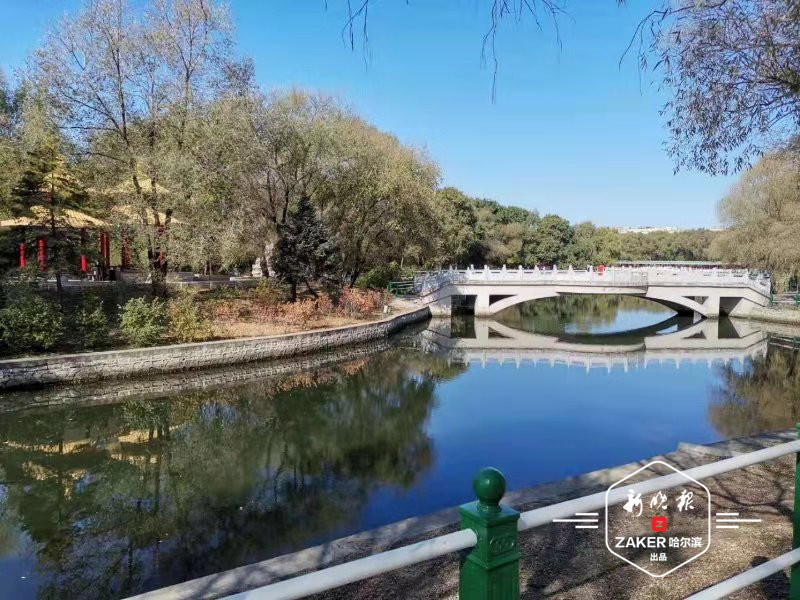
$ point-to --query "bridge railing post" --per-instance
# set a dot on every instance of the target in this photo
(490, 571)
(794, 574)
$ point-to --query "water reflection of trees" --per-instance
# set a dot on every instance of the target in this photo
(762, 395)
(554, 315)
(121, 498)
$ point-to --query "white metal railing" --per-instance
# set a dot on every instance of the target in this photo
(349, 572)
(363, 568)
(749, 577)
(427, 282)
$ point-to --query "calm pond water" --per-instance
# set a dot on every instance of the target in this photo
(132, 488)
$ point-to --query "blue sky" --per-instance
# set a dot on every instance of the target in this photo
(570, 132)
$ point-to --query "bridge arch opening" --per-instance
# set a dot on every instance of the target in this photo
(593, 315)
(464, 304)
(639, 302)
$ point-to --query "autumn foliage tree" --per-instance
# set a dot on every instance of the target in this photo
(762, 215)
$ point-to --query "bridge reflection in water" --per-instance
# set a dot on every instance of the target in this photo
(674, 340)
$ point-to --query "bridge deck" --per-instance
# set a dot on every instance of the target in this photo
(618, 277)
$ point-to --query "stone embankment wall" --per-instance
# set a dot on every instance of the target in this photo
(114, 391)
(67, 368)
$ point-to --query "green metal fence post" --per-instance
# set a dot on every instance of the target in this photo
(491, 570)
(794, 577)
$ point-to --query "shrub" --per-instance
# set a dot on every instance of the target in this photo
(296, 313)
(143, 323)
(91, 322)
(186, 321)
(29, 322)
(225, 292)
(266, 293)
(229, 310)
(379, 277)
(361, 302)
(324, 304)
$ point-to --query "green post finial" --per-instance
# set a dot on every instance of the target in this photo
(490, 487)
(491, 570)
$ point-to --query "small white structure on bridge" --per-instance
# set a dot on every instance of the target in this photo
(707, 292)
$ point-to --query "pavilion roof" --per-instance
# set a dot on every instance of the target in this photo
(65, 217)
(125, 187)
(131, 213)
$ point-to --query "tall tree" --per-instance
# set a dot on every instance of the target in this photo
(265, 152)
(553, 235)
(762, 215)
(47, 186)
(10, 119)
(379, 198)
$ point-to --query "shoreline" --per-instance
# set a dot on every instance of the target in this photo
(22, 373)
(782, 316)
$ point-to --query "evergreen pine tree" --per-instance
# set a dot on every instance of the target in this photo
(304, 254)
(46, 187)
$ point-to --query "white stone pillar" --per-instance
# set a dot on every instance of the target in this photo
(482, 304)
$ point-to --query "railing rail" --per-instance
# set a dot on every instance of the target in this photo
(363, 568)
(541, 516)
(724, 588)
(483, 521)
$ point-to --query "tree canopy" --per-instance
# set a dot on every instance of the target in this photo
(762, 215)
(734, 70)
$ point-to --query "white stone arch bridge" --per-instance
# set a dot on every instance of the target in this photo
(708, 292)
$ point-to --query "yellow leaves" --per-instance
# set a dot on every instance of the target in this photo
(763, 212)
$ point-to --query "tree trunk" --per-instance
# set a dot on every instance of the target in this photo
(312, 290)
(294, 291)
(157, 274)
(354, 277)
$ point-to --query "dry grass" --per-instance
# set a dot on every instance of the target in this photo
(243, 328)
